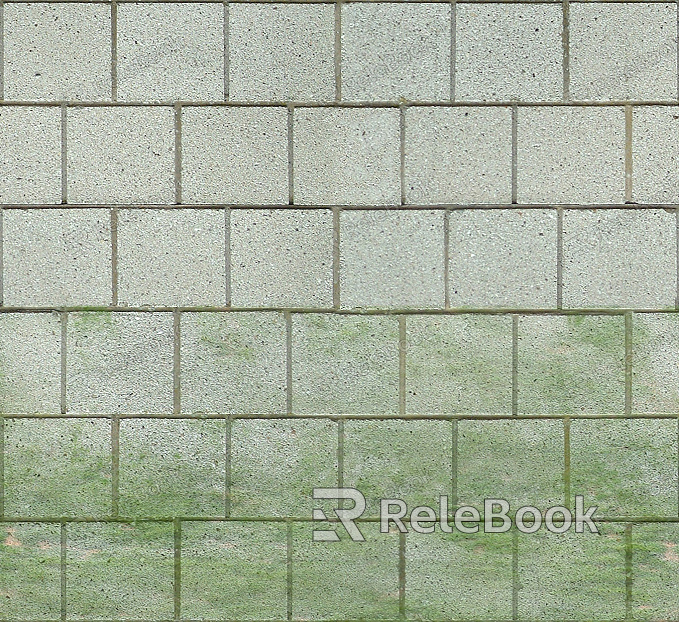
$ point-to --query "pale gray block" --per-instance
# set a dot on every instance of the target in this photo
(30, 368)
(119, 363)
(30, 155)
(281, 258)
(345, 364)
(235, 155)
(623, 51)
(502, 258)
(392, 259)
(346, 156)
(619, 258)
(170, 51)
(509, 52)
(171, 257)
(655, 154)
(395, 50)
(57, 257)
(281, 52)
(571, 155)
(121, 155)
(458, 155)
(57, 51)
(233, 363)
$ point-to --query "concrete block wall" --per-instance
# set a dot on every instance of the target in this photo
(419, 248)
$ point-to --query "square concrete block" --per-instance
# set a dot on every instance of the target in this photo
(281, 258)
(459, 364)
(578, 576)
(344, 580)
(121, 155)
(655, 154)
(171, 257)
(275, 465)
(57, 257)
(458, 155)
(408, 460)
(30, 556)
(119, 571)
(30, 154)
(344, 364)
(458, 576)
(571, 365)
(393, 51)
(30, 363)
(502, 258)
(234, 571)
(170, 51)
(281, 52)
(119, 363)
(347, 156)
(392, 259)
(58, 467)
(235, 155)
(625, 467)
(57, 51)
(519, 461)
(623, 51)
(571, 155)
(655, 363)
(508, 52)
(172, 467)
(233, 363)
(619, 258)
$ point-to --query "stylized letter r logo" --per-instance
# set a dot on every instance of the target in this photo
(347, 517)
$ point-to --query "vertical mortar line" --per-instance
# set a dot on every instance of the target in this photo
(114, 256)
(559, 258)
(566, 51)
(114, 50)
(2, 257)
(336, 257)
(226, 52)
(291, 167)
(677, 35)
(628, 572)
(678, 463)
(340, 455)
(515, 123)
(2, 466)
(288, 564)
(402, 151)
(177, 585)
(338, 50)
(2, 50)
(64, 325)
(454, 455)
(64, 162)
(401, 575)
(676, 217)
(115, 466)
(62, 568)
(227, 467)
(628, 153)
(628, 363)
(515, 574)
(453, 47)
(227, 255)
(446, 259)
(176, 363)
(567, 461)
(402, 364)
(177, 153)
(515, 365)
(288, 361)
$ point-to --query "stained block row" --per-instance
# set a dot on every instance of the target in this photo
(387, 51)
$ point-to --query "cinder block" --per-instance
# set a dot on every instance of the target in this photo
(57, 51)
(57, 257)
(574, 575)
(344, 580)
(408, 460)
(346, 156)
(119, 571)
(571, 365)
(235, 155)
(458, 155)
(459, 364)
(623, 51)
(276, 464)
(344, 364)
(655, 154)
(281, 258)
(58, 467)
(170, 51)
(458, 576)
(233, 363)
(30, 154)
(392, 259)
(172, 467)
(30, 556)
(393, 51)
(619, 258)
(502, 258)
(626, 467)
(121, 155)
(30, 367)
(519, 461)
(234, 571)
(571, 155)
(509, 52)
(119, 363)
(281, 52)
(171, 257)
